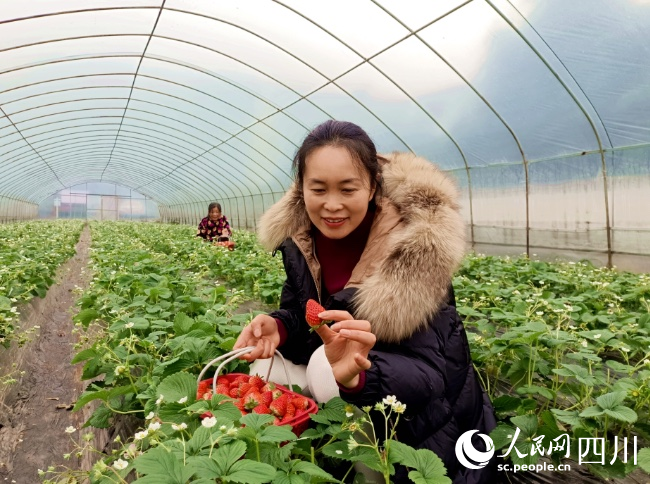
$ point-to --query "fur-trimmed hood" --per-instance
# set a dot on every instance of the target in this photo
(415, 245)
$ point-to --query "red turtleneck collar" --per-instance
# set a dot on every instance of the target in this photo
(338, 257)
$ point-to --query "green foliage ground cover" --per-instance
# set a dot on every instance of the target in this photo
(158, 316)
(562, 349)
(30, 253)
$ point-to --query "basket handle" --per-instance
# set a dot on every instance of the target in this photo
(228, 357)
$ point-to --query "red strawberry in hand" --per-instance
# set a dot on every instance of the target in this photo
(313, 309)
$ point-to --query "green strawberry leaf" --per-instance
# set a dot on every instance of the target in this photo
(643, 459)
(178, 386)
(86, 316)
(610, 400)
(250, 472)
(622, 413)
(278, 434)
(162, 465)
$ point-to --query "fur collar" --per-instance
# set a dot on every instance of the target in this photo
(409, 273)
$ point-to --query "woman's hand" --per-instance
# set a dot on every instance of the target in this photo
(262, 332)
(347, 343)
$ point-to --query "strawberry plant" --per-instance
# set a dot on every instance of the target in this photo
(560, 348)
(28, 262)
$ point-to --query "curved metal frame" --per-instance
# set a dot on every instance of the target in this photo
(33, 154)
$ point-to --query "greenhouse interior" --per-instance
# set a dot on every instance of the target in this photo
(513, 140)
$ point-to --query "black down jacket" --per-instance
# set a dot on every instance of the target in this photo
(402, 286)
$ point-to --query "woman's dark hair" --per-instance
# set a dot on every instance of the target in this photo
(345, 135)
(214, 205)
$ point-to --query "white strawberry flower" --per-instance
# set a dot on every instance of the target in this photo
(399, 407)
(150, 416)
(140, 435)
(120, 464)
(183, 400)
(181, 426)
(153, 426)
(70, 430)
(390, 400)
(209, 422)
(160, 399)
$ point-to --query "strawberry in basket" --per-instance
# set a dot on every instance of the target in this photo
(251, 394)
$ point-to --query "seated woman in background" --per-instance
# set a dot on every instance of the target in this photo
(215, 226)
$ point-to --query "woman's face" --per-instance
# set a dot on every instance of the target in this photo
(214, 214)
(336, 191)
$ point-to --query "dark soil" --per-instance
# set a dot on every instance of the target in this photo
(35, 410)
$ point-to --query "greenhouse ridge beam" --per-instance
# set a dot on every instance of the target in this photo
(135, 77)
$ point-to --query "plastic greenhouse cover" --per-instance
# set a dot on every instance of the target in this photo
(186, 100)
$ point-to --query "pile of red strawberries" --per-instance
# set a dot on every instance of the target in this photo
(252, 394)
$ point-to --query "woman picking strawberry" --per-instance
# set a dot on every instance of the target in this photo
(376, 239)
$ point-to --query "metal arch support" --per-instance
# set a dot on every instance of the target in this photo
(28, 144)
(584, 112)
(211, 169)
(144, 120)
(150, 90)
(75, 140)
(305, 97)
(487, 104)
